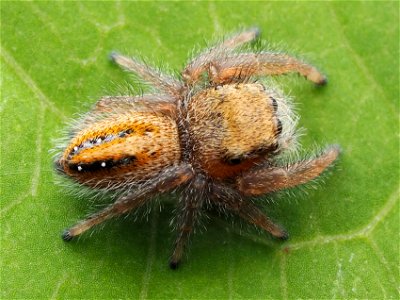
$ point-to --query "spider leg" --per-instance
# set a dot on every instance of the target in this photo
(160, 81)
(191, 201)
(239, 39)
(241, 66)
(246, 210)
(148, 102)
(167, 180)
(192, 72)
(267, 179)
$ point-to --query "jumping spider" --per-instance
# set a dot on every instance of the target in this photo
(215, 135)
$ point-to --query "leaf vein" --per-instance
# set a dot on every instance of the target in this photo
(151, 256)
(27, 79)
(214, 17)
(384, 262)
(364, 232)
(283, 278)
(58, 286)
(358, 60)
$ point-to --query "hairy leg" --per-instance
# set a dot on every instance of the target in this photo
(191, 202)
(267, 179)
(149, 102)
(239, 39)
(241, 66)
(192, 72)
(160, 81)
(246, 210)
(167, 180)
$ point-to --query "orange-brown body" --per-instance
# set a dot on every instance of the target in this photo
(233, 127)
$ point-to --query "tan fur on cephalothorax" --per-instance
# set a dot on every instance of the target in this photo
(217, 135)
(232, 124)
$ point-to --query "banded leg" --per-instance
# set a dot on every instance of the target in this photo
(191, 201)
(247, 211)
(167, 180)
(241, 66)
(148, 102)
(192, 72)
(158, 80)
(239, 39)
(264, 180)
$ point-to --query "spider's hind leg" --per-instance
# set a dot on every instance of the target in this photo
(267, 179)
(245, 209)
(191, 203)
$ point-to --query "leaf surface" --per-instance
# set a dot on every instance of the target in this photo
(344, 235)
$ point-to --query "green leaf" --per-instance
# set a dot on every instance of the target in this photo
(344, 235)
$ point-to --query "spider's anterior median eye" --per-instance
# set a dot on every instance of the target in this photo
(279, 127)
(274, 104)
(234, 160)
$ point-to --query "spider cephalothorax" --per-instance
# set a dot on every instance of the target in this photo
(215, 136)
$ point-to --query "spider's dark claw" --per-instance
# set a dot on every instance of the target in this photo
(113, 55)
(280, 234)
(284, 236)
(257, 32)
(322, 82)
(66, 235)
(174, 264)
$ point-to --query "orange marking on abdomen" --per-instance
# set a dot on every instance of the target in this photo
(132, 147)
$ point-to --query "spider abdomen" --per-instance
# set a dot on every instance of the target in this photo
(125, 148)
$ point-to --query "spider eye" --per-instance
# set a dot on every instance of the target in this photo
(234, 160)
(279, 127)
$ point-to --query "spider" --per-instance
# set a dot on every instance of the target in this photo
(215, 135)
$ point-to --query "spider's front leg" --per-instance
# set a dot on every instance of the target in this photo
(239, 39)
(238, 67)
(167, 180)
(192, 72)
(267, 179)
